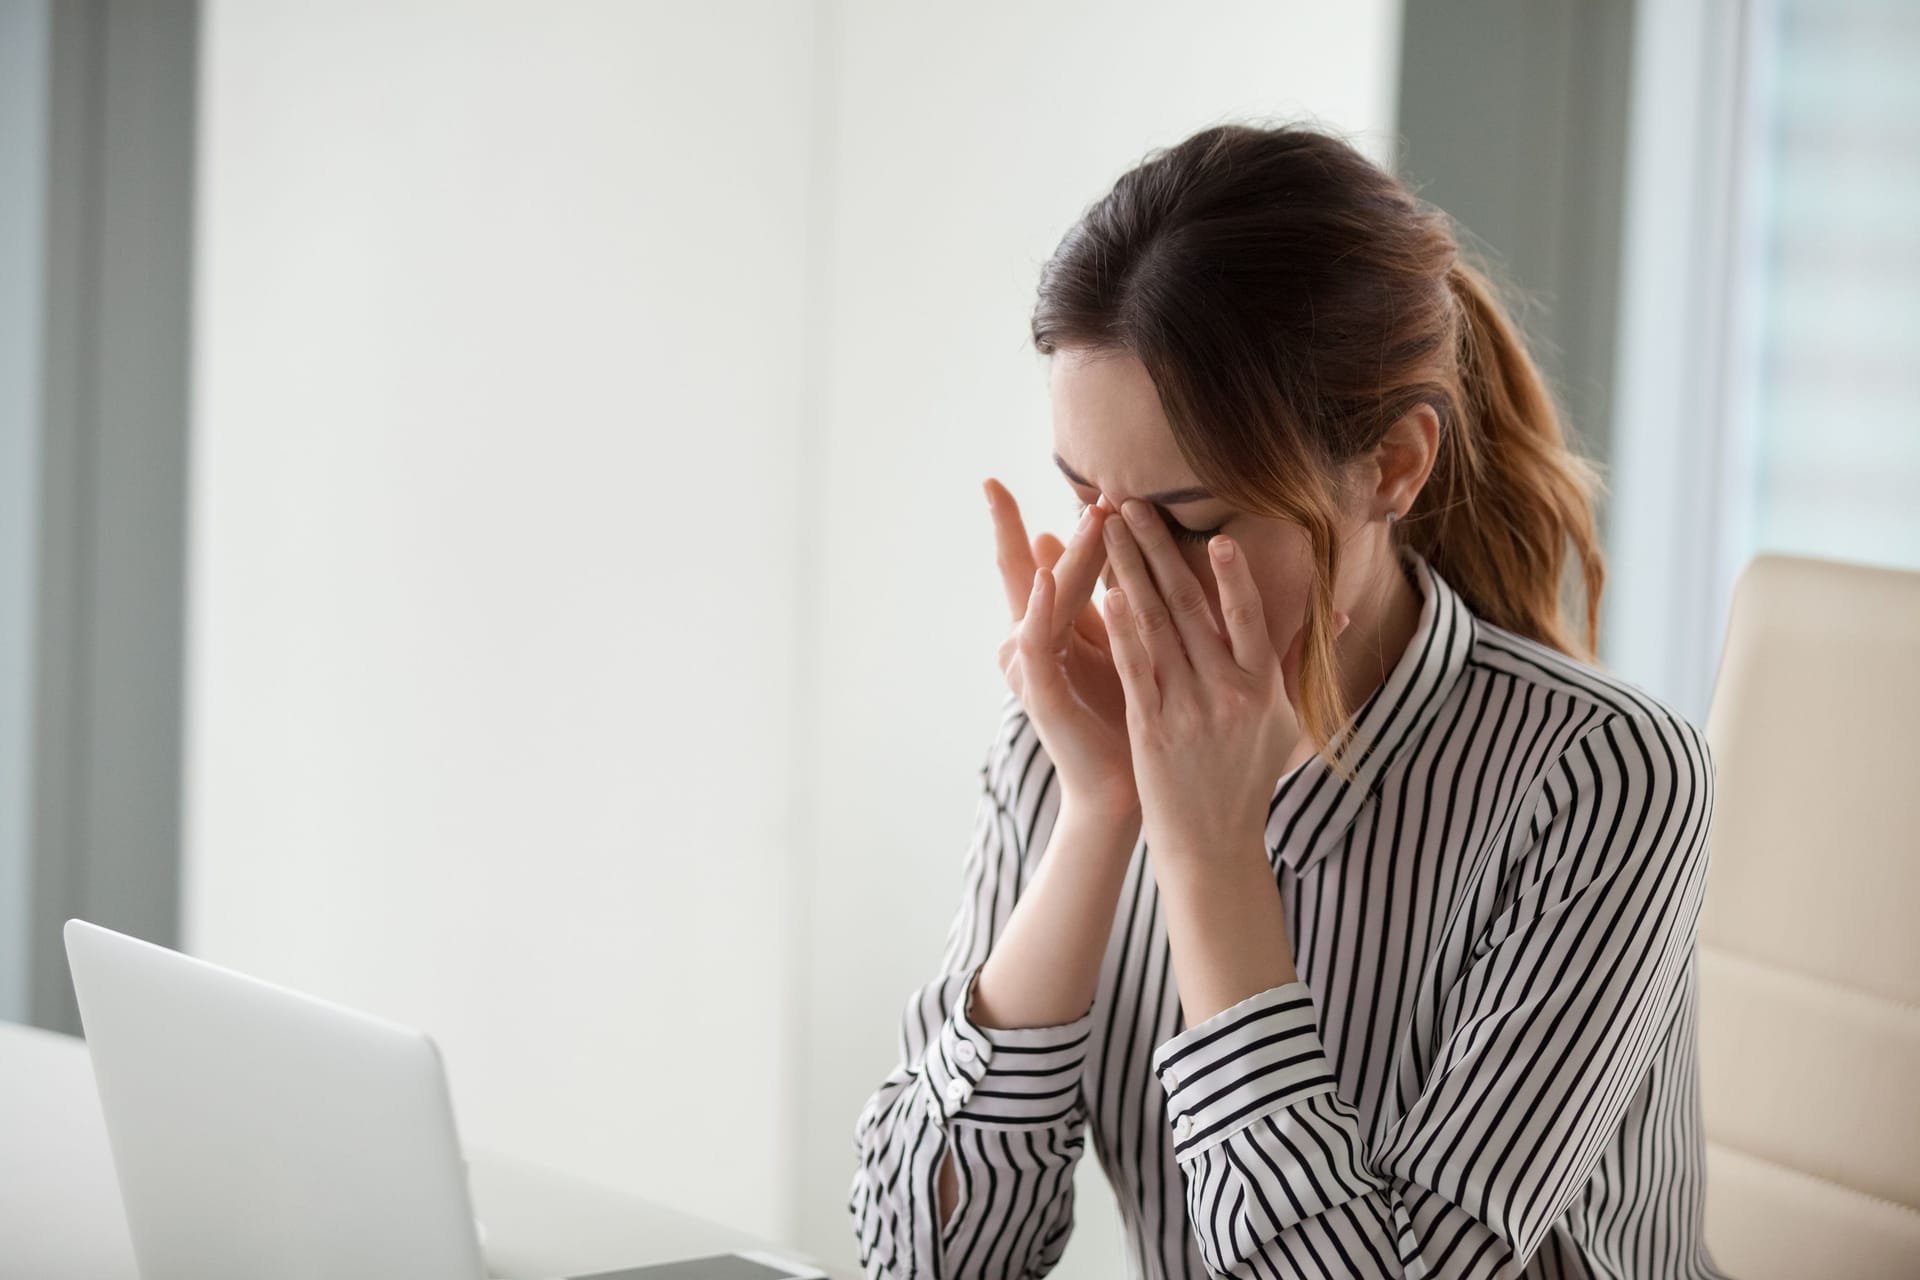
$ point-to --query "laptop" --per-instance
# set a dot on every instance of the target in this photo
(258, 1131)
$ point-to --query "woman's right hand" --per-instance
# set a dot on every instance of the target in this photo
(1056, 656)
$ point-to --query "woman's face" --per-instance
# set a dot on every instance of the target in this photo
(1111, 436)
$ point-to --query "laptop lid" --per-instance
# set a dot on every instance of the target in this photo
(257, 1131)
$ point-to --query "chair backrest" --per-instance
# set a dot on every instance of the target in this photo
(1810, 933)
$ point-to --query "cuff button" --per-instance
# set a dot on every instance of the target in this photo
(957, 1090)
(965, 1051)
(1183, 1126)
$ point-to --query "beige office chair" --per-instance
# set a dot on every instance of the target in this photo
(1810, 933)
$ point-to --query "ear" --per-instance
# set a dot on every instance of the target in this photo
(1404, 459)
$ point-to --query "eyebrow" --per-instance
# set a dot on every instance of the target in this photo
(1169, 498)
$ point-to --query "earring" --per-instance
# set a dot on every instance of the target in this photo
(1392, 516)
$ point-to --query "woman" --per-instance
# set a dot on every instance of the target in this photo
(1423, 1006)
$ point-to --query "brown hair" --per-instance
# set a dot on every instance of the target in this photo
(1292, 301)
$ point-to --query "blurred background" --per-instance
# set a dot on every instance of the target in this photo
(490, 516)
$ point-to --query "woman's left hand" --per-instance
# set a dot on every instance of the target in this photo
(1210, 717)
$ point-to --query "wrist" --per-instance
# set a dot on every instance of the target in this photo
(1202, 857)
(1116, 819)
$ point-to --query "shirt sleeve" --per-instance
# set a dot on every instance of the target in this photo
(1006, 1102)
(1539, 1046)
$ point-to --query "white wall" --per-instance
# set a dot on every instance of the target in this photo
(593, 604)
(502, 331)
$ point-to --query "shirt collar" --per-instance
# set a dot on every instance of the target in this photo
(1313, 806)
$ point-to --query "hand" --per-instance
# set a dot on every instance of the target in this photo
(1211, 717)
(1056, 658)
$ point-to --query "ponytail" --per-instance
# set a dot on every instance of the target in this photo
(1507, 497)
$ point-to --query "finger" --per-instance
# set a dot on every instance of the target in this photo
(1083, 620)
(1241, 607)
(1092, 628)
(1130, 657)
(1079, 567)
(1179, 589)
(1046, 552)
(1152, 620)
(1011, 550)
(1036, 629)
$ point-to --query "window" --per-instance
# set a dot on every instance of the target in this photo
(1834, 439)
(1768, 376)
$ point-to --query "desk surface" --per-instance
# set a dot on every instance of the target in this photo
(60, 1213)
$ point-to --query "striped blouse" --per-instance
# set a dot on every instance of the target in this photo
(1486, 1068)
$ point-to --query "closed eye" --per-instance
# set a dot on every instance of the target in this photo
(1180, 532)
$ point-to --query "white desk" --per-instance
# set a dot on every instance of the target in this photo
(60, 1213)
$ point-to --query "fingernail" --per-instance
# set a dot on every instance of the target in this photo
(1136, 512)
(988, 490)
(1340, 622)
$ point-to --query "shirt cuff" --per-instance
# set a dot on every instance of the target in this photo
(1003, 1075)
(1247, 1061)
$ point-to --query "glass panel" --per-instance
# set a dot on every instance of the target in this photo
(1836, 429)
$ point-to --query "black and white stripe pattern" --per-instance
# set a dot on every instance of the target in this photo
(1487, 1067)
